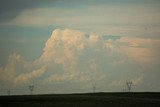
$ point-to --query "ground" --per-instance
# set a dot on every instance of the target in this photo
(123, 99)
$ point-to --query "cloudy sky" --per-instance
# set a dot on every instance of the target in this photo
(69, 46)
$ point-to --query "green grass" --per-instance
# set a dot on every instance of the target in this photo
(83, 100)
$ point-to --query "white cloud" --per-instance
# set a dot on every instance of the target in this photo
(9, 71)
(138, 80)
(26, 77)
(122, 20)
(63, 46)
(70, 57)
(138, 49)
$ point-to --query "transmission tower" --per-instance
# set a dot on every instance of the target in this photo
(8, 92)
(129, 85)
(31, 87)
(94, 89)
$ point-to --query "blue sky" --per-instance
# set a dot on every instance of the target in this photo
(127, 29)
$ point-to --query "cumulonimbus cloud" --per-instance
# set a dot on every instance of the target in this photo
(24, 77)
(74, 57)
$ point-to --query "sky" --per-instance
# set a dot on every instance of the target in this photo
(69, 46)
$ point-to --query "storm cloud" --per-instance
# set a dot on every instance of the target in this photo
(72, 61)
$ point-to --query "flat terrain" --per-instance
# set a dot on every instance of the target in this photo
(83, 100)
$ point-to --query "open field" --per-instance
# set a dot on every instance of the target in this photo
(83, 100)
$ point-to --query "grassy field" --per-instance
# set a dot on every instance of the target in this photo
(83, 100)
